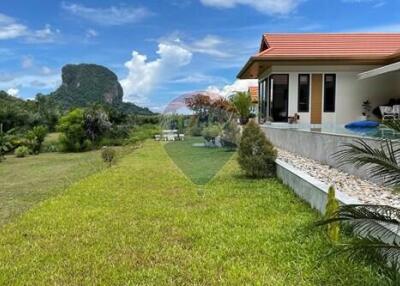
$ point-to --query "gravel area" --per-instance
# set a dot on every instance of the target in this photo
(365, 191)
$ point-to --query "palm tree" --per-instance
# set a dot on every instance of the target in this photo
(242, 103)
(376, 227)
(381, 162)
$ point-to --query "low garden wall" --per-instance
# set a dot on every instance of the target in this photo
(317, 146)
(309, 189)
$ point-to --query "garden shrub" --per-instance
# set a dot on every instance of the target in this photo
(256, 153)
(230, 135)
(332, 206)
(51, 148)
(36, 138)
(108, 155)
(74, 135)
(211, 132)
(21, 152)
(143, 132)
(196, 130)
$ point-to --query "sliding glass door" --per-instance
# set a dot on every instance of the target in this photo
(279, 97)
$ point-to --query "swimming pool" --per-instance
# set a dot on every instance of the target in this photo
(377, 132)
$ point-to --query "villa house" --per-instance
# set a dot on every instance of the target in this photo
(324, 78)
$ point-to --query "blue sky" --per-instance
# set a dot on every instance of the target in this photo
(161, 49)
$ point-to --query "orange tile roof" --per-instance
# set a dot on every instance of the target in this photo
(361, 45)
(253, 90)
(335, 48)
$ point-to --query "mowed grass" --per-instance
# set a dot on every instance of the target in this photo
(27, 181)
(142, 222)
(199, 164)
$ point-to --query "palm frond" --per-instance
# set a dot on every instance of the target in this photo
(392, 124)
(381, 162)
(373, 221)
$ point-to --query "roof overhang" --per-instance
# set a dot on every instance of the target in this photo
(379, 71)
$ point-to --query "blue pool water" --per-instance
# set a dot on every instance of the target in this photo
(378, 132)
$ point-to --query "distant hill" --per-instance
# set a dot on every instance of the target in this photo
(85, 84)
(6, 100)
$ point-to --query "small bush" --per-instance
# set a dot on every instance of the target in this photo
(143, 132)
(21, 152)
(108, 155)
(256, 154)
(211, 132)
(230, 135)
(195, 130)
(36, 138)
(51, 148)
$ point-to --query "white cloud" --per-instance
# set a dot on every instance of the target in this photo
(91, 33)
(110, 16)
(237, 85)
(210, 45)
(31, 81)
(144, 76)
(27, 62)
(10, 28)
(13, 91)
(198, 78)
(45, 35)
(270, 7)
(46, 70)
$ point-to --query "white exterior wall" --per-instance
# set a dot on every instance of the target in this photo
(350, 91)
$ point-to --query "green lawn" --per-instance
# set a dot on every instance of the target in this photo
(26, 181)
(142, 222)
(200, 164)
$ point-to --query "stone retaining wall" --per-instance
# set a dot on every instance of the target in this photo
(317, 146)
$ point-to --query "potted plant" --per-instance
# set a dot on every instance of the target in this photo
(366, 105)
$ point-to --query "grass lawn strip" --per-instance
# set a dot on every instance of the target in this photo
(199, 164)
(143, 223)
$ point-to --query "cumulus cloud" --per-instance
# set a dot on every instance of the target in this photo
(210, 45)
(31, 81)
(237, 85)
(13, 91)
(110, 16)
(10, 28)
(270, 7)
(144, 76)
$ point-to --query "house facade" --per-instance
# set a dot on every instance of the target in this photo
(324, 78)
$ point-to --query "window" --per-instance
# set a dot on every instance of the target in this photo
(304, 93)
(329, 92)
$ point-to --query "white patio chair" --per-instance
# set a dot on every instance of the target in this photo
(157, 137)
(387, 112)
(170, 137)
(182, 137)
(396, 110)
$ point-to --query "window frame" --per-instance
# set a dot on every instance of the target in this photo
(308, 89)
(334, 93)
